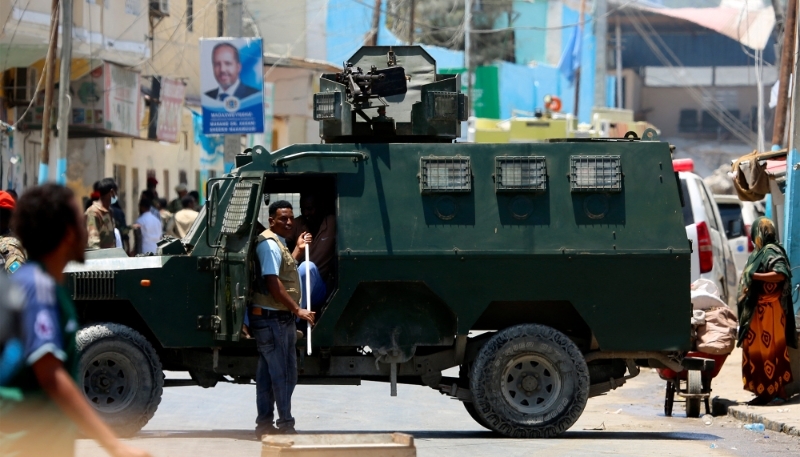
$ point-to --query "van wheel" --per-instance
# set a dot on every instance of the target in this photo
(529, 381)
(120, 374)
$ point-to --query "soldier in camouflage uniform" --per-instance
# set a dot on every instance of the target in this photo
(99, 221)
(12, 255)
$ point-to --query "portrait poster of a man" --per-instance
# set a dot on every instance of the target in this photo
(232, 85)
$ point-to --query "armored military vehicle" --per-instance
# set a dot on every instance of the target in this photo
(548, 273)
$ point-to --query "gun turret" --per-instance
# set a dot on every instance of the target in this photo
(373, 84)
(414, 104)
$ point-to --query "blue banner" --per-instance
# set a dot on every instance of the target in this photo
(232, 84)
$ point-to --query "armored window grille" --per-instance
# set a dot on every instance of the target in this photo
(327, 105)
(237, 208)
(595, 174)
(442, 106)
(520, 174)
(445, 174)
(93, 285)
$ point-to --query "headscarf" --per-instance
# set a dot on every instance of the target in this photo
(768, 256)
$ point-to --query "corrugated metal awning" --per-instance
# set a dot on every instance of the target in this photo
(751, 27)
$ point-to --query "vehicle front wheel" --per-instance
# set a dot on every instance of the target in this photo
(120, 374)
(529, 381)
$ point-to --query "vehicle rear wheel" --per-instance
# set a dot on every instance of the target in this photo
(473, 413)
(529, 381)
(694, 386)
(120, 374)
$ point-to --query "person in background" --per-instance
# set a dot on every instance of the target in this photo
(150, 196)
(12, 255)
(176, 204)
(41, 403)
(766, 317)
(120, 223)
(164, 215)
(151, 184)
(182, 221)
(93, 197)
(150, 227)
(99, 222)
(13, 194)
(196, 196)
(121, 228)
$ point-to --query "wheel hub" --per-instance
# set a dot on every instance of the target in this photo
(110, 382)
(531, 384)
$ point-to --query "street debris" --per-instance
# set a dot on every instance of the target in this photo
(602, 426)
(759, 427)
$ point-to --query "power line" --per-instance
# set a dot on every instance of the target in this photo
(719, 112)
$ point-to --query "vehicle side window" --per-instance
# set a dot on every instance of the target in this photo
(731, 214)
(708, 206)
(688, 216)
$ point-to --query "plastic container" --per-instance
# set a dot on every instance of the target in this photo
(759, 427)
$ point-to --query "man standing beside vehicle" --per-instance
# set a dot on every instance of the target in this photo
(41, 404)
(99, 221)
(276, 301)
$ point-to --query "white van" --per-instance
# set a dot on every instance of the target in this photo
(712, 257)
(737, 217)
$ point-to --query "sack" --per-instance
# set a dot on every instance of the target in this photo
(718, 336)
(751, 185)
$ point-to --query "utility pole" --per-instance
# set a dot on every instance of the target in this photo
(372, 38)
(580, 46)
(50, 69)
(411, 22)
(467, 49)
(233, 29)
(787, 62)
(601, 61)
(792, 204)
(62, 127)
(618, 50)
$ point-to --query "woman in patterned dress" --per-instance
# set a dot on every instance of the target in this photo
(766, 317)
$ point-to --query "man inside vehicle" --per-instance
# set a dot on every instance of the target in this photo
(322, 227)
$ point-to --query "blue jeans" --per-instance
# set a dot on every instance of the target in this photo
(319, 290)
(276, 374)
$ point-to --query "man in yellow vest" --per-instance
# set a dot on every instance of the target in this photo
(276, 302)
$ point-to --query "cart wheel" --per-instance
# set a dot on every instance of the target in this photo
(669, 400)
(694, 386)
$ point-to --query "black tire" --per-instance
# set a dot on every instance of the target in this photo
(473, 413)
(120, 374)
(535, 362)
(693, 387)
(669, 399)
